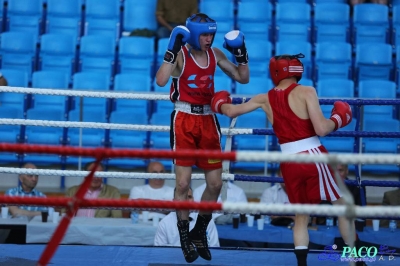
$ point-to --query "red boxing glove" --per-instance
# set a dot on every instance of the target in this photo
(218, 100)
(341, 114)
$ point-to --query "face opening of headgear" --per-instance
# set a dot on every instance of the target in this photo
(286, 66)
(200, 24)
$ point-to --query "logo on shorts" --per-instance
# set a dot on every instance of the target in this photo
(213, 161)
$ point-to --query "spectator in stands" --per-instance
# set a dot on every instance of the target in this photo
(3, 81)
(155, 189)
(234, 194)
(167, 233)
(172, 13)
(97, 189)
(356, 2)
(26, 188)
(277, 194)
(391, 198)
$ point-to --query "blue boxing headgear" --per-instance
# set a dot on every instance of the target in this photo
(199, 24)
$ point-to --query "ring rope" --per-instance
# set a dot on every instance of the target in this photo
(225, 131)
(166, 176)
(246, 156)
(228, 207)
(164, 96)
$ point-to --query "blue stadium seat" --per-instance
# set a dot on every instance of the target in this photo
(139, 15)
(332, 22)
(90, 81)
(128, 139)
(97, 54)
(377, 89)
(220, 11)
(158, 139)
(256, 119)
(396, 25)
(254, 18)
(18, 51)
(261, 52)
(329, 1)
(371, 23)
(373, 61)
(333, 60)
(306, 82)
(10, 133)
(136, 54)
(256, 86)
(57, 53)
(2, 18)
(65, 17)
(15, 78)
(68, 26)
(25, 16)
(335, 88)
(222, 83)
(292, 48)
(381, 145)
(44, 136)
(102, 18)
(340, 144)
(133, 82)
(48, 103)
(91, 137)
(293, 22)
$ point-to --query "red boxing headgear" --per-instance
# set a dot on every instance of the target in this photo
(285, 66)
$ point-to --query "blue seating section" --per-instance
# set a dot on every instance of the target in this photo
(84, 45)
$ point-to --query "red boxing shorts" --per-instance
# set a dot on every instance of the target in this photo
(311, 182)
(196, 132)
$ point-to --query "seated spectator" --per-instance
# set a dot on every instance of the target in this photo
(97, 190)
(26, 189)
(277, 194)
(155, 189)
(167, 232)
(3, 81)
(390, 198)
(170, 14)
(234, 194)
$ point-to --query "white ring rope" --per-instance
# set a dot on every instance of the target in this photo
(122, 175)
(85, 93)
(48, 123)
(324, 210)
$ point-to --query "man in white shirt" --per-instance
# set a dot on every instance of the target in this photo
(276, 194)
(234, 194)
(167, 232)
(155, 189)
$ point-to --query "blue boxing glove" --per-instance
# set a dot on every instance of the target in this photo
(178, 38)
(234, 43)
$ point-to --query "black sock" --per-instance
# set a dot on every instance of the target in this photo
(301, 255)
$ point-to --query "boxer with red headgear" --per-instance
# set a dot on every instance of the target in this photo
(297, 120)
(191, 61)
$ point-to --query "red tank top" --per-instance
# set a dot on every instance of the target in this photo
(287, 126)
(195, 85)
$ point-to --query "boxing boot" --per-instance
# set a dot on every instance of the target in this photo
(188, 250)
(198, 235)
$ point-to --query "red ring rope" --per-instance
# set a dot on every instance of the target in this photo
(78, 200)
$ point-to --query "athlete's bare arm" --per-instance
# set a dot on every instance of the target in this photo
(258, 101)
(240, 73)
(322, 125)
(167, 70)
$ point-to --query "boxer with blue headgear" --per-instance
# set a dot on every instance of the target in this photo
(191, 62)
(199, 24)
